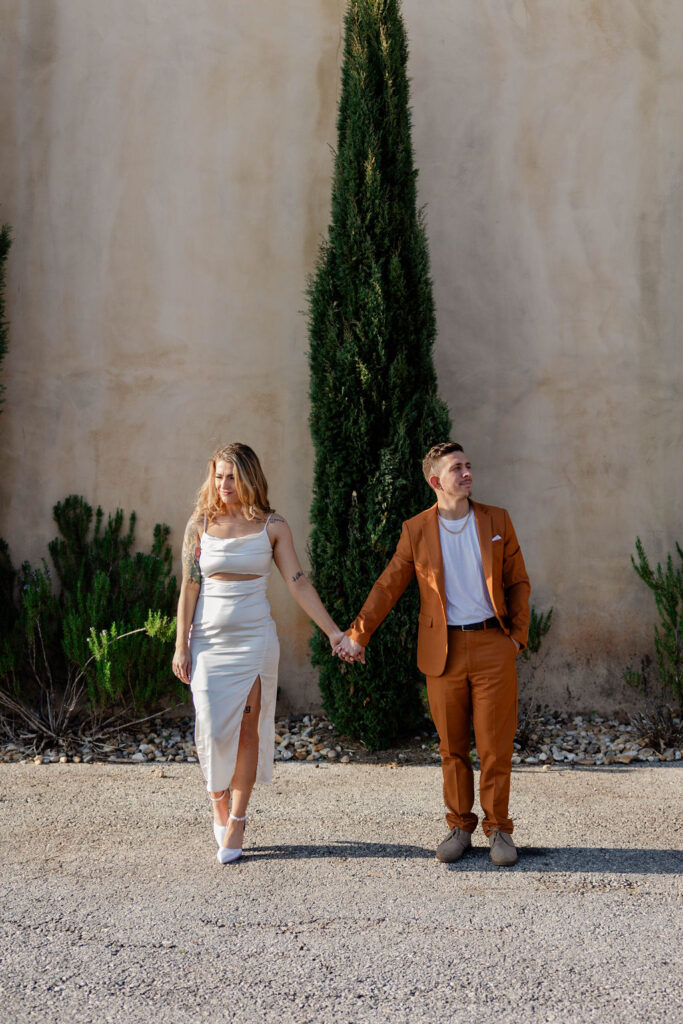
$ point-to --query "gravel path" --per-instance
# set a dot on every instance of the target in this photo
(114, 908)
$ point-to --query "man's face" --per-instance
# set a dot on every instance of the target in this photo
(452, 476)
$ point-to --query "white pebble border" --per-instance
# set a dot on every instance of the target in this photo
(554, 740)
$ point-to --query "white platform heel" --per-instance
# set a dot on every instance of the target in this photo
(226, 855)
(218, 830)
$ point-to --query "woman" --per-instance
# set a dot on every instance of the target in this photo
(227, 648)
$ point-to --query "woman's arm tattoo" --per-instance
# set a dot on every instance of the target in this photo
(191, 549)
(298, 576)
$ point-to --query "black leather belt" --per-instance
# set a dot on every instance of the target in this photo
(470, 627)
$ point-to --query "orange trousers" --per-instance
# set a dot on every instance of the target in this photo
(478, 688)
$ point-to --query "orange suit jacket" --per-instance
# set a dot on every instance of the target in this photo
(418, 553)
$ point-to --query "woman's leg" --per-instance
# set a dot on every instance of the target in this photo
(220, 802)
(245, 768)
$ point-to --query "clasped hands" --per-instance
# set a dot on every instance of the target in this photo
(347, 649)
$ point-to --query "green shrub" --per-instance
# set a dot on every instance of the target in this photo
(539, 625)
(50, 664)
(105, 652)
(528, 718)
(374, 404)
(8, 612)
(667, 587)
(103, 582)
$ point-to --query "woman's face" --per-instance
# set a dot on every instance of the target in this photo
(225, 482)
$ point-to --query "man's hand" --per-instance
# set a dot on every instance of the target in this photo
(350, 651)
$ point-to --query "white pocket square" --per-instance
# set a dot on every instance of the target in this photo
(497, 537)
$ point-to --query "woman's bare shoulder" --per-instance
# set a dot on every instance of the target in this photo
(277, 524)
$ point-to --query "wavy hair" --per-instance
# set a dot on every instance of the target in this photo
(250, 483)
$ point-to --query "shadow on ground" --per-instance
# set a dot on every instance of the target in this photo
(602, 860)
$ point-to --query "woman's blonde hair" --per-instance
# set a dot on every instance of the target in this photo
(250, 483)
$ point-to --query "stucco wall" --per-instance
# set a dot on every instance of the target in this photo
(166, 168)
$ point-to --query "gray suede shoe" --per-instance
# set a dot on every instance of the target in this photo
(503, 849)
(453, 846)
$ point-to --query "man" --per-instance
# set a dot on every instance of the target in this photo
(474, 619)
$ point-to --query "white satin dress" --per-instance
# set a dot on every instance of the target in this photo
(233, 641)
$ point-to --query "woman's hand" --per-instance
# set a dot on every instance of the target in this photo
(336, 637)
(348, 650)
(182, 664)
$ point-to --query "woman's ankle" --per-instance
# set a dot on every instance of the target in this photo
(234, 833)
(220, 802)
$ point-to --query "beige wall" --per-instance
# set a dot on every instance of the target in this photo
(166, 168)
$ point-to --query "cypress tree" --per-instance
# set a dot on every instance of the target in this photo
(5, 243)
(374, 404)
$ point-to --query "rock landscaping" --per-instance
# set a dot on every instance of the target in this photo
(549, 740)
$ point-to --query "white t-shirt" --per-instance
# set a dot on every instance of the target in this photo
(467, 598)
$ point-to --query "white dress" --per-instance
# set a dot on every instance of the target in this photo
(232, 642)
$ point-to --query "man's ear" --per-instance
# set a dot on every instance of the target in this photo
(435, 483)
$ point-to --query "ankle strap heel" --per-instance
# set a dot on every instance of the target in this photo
(227, 855)
(218, 830)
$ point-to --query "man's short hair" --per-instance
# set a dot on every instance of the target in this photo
(435, 453)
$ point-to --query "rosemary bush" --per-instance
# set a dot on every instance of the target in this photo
(529, 713)
(660, 724)
(79, 645)
(539, 625)
(667, 586)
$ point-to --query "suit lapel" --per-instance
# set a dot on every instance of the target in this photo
(485, 532)
(431, 536)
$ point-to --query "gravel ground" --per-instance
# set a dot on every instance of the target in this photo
(115, 908)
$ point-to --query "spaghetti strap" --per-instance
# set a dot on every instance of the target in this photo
(268, 520)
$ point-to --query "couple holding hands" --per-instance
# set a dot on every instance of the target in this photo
(473, 621)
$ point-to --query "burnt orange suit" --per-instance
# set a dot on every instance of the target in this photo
(471, 676)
